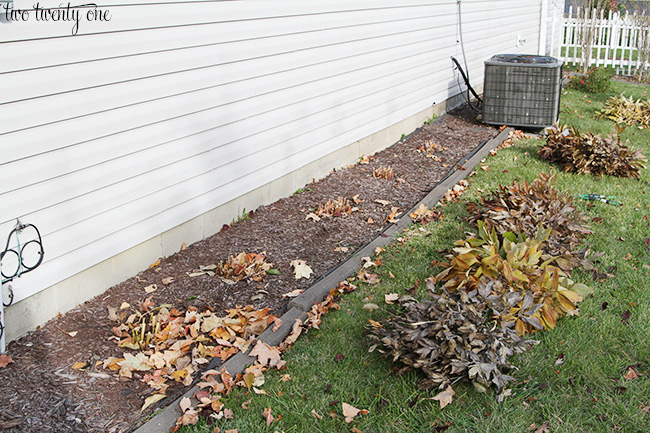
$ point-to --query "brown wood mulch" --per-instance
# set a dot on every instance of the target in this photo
(43, 390)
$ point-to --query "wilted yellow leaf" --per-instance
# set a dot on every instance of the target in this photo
(76, 366)
(151, 400)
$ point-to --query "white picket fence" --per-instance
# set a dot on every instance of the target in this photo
(616, 39)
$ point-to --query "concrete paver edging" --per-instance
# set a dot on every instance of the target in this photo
(297, 308)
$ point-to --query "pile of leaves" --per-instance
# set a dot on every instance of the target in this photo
(383, 172)
(164, 345)
(332, 208)
(216, 383)
(172, 345)
(452, 335)
(626, 111)
(235, 268)
(515, 264)
(524, 207)
(454, 193)
(430, 148)
(591, 154)
(496, 289)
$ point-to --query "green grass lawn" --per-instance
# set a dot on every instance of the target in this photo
(585, 393)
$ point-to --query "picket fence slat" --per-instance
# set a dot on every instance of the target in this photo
(615, 40)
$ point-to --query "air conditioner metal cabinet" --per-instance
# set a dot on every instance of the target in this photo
(522, 90)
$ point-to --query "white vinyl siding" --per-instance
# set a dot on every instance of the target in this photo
(170, 109)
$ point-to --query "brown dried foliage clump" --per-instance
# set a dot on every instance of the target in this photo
(591, 154)
(447, 337)
(242, 266)
(424, 215)
(524, 207)
(626, 111)
(383, 172)
(334, 208)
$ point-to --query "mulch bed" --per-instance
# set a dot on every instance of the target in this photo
(41, 386)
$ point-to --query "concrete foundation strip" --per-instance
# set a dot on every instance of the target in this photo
(297, 308)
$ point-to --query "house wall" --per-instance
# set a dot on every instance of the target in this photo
(159, 125)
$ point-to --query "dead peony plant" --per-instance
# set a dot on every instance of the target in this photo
(524, 207)
(515, 264)
(452, 335)
(591, 154)
(496, 290)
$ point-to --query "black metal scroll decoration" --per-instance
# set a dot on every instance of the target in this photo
(18, 251)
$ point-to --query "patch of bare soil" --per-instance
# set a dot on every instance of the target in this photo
(42, 387)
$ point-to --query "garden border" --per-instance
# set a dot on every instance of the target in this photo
(297, 308)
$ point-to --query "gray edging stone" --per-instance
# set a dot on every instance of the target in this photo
(299, 305)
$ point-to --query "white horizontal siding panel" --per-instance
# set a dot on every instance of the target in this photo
(32, 140)
(73, 77)
(212, 161)
(121, 94)
(156, 162)
(66, 51)
(356, 124)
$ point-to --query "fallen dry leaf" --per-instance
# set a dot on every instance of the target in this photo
(392, 217)
(341, 249)
(76, 366)
(301, 269)
(285, 378)
(349, 412)
(293, 293)
(246, 404)
(631, 374)
(153, 265)
(124, 305)
(370, 307)
(296, 330)
(151, 288)
(152, 399)
(5, 360)
(72, 333)
(382, 202)
(167, 280)
(370, 221)
(391, 298)
(445, 397)
(266, 413)
(544, 428)
(267, 355)
(312, 216)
